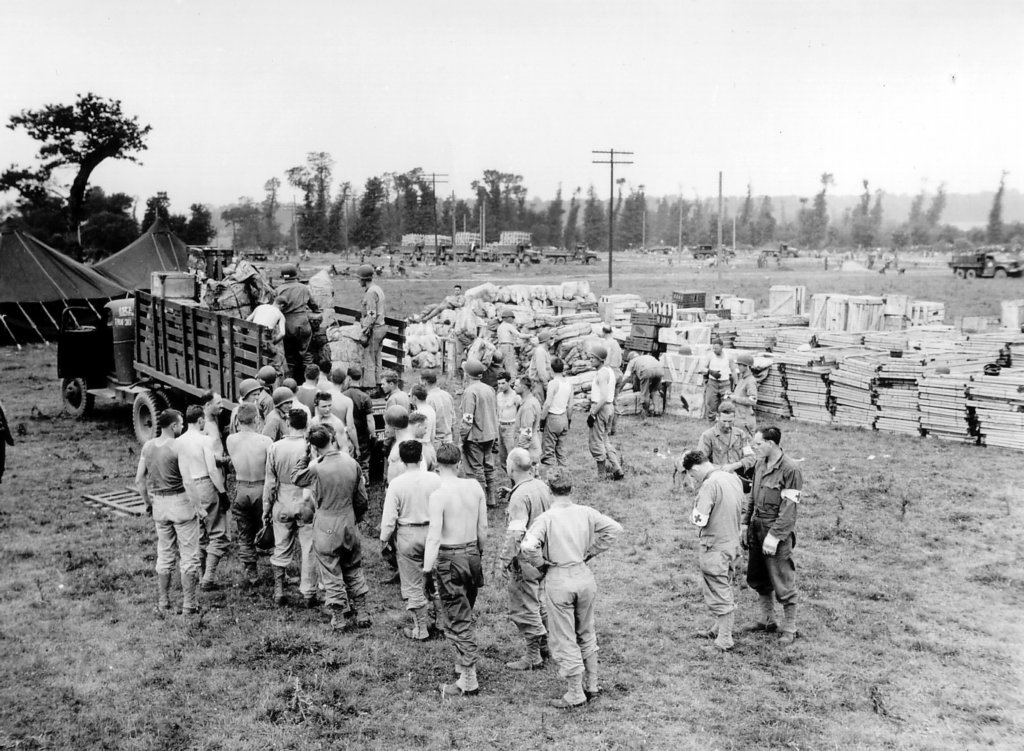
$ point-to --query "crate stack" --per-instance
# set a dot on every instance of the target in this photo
(896, 391)
(771, 395)
(690, 299)
(805, 375)
(997, 403)
(942, 406)
(852, 387)
(644, 328)
(616, 310)
(790, 338)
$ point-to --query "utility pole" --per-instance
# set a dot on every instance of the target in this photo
(295, 224)
(433, 189)
(680, 248)
(720, 254)
(611, 197)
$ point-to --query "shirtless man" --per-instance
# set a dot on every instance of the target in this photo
(248, 451)
(344, 433)
(458, 528)
(204, 485)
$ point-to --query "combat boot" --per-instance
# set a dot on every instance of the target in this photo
(723, 640)
(492, 501)
(419, 631)
(252, 574)
(339, 618)
(531, 659)
(279, 598)
(602, 470)
(189, 583)
(202, 561)
(767, 620)
(591, 688)
(208, 582)
(789, 632)
(163, 588)
(358, 615)
(574, 696)
(466, 685)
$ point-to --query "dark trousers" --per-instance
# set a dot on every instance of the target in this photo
(459, 577)
(480, 461)
(771, 573)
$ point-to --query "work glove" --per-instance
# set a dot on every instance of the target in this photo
(744, 535)
(591, 420)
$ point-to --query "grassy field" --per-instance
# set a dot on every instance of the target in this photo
(909, 562)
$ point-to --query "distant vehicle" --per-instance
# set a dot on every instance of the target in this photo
(581, 253)
(987, 263)
(663, 249)
(783, 251)
(703, 252)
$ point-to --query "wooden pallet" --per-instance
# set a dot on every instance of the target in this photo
(125, 502)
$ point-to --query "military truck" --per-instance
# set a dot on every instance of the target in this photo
(990, 262)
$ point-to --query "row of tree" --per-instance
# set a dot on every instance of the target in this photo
(334, 218)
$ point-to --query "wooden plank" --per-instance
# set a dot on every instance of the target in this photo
(126, 502)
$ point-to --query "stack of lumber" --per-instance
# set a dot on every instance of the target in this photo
(759, 339)
(616, 309)
(998, 406)
(771, 396)
(838, 339)
(805, 375)
(896, 394)
(942, 406)
(851, 386)
(789, 338)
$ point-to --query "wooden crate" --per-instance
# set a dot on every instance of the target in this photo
(640, 344)
(651, 319)
(641, 331)
(690, 299)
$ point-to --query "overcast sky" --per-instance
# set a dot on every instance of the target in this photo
(905, 94)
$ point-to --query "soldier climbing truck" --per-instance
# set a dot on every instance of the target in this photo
(157, 352)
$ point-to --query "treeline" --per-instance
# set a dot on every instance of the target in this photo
(334, 217)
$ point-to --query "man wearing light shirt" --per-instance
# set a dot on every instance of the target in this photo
(508, 406)
(602, 408)
(444, 409)
(717, 385)
(540, 365)
(271, 316)
(556, 414)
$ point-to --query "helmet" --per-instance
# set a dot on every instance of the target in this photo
(290, 383)
(247, 386)
(745, 359)
(498, 356)
(473, 368)
(507, 313)
(394, 414)
(600, 352)
(289, 271)
(267, 374)
(282, 394)
(365, 271)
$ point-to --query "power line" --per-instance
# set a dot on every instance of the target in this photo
(611, 161)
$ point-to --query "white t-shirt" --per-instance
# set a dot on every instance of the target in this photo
(721, 364)
(560, 390)
(269, 316)
(603, 386)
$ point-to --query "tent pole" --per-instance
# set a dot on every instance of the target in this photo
(32, 324)
(3, 320)
(55, 324)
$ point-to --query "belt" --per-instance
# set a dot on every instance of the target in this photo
(413, 524)
(463, 546)
(764, 514)
(509, 422)
(200, 479)
(249, 482)
(166, 493)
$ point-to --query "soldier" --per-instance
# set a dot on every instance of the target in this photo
(406, 516)
(717, 380)
(444, 408)
(276, 424)
(556, 414)
(508, 405)
(529, 498)
(362, 415)
(296, 303)
(561, 541)
(418, 399)
(744, 396)
(615, 363)
(271, 316)
(177, 519)
(725, 443)
(716, 513)
(479, 428)
(395, 397)
(455, 541)
(602, 407)
(372, 323)
(340, 499)
(769, 521)
(508, 339)
(248, 451)
(204, 485)
(540, 365)
(647, 374)
(306, 393)
(494, 369)
(528, 432)
(250, 390)
(291, 514)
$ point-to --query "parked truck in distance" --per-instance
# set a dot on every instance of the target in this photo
(987, 263)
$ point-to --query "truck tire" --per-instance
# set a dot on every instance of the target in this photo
(148, 404)
(78, 402)
(960, 273)
(1000, 273)
(970, 273)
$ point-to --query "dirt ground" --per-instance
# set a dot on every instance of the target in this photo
(909, 563)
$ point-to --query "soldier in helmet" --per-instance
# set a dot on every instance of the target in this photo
(250, 391)
(479, 428)
(508, 339)
(276, 424)
(296, 303)
(372, 324)
(744, 396)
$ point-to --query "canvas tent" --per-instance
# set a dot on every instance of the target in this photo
(157, 249)
(38, 282)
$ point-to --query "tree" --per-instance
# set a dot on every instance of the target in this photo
(108, 225)
(813, 222)
(571, 221)
(338, 218)
(994, 230)
(368, 230)
(553, 223)
(158, 206)
(595, 227)
(81, 136)
(271, 235)
(246, 220)
(630, 224)
(745, 229)
(938, 205)
(199, 230)
(764, 228)
(314, 180)
(862, 231)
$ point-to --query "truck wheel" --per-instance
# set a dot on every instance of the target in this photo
(960, 273)
(1000, 274)
(970, 273)
(147, 406)
(78, 402)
